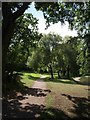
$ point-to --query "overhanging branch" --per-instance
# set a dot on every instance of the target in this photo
(21, 10)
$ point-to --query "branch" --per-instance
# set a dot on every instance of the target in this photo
(22, 9)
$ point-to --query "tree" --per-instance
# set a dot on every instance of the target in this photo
(10, 12)
(23, 39)
(43, 57)
(59, 59)
(83, 56)
(73, 12)
(70, 52)
(87, 54)
(47, 43)
(65, 59)
(76, 13)
(35, 60)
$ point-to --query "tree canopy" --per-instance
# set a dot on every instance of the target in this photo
(20, 37)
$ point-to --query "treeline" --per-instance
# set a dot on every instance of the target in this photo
(48, 54)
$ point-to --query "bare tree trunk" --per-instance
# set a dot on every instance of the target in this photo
(51, 71)
(58, 74)
(68, 72)
(7, 32)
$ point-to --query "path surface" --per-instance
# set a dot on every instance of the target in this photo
(27, 104)
(39, 99)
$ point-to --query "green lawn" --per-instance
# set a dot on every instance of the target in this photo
(66, 96)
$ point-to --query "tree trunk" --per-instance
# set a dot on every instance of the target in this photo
(58, 74)
(68, 72)
(51, 71)
(8, 29)
(7, 32)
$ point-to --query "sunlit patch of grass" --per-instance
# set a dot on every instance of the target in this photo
(28, 81)
(56, 80)
(56, 100)
(47, 75)
(35, 75)
(67, 88)
(63, 86)
(64, 80)
(67, 81)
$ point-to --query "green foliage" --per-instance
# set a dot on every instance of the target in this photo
(55, 52)
(51, 51)
(76, 13)
(43, 58)
(83, 57)
(70, 52)
(25, 36)
(34, 60)
(78, 16)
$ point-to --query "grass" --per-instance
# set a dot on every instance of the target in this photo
(56, 80)
(35, 75)
(65, 97)
(83, 80)
(65, 86)
(28, 78)
(49, 101)
(68, 88)
(23, 79)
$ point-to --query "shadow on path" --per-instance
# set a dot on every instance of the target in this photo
(12, 107)
(18, 103)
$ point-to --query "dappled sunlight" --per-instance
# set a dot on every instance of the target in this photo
(32, 77)
(64, 99)
(46, 67)
(80, 105)
(22, 104)
(25, 102)
(65, 80)
(69, 97)
(56, 80)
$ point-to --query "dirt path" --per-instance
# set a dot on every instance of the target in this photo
(39, 99)
(27, 104)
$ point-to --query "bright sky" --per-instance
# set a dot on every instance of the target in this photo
(57, 28)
